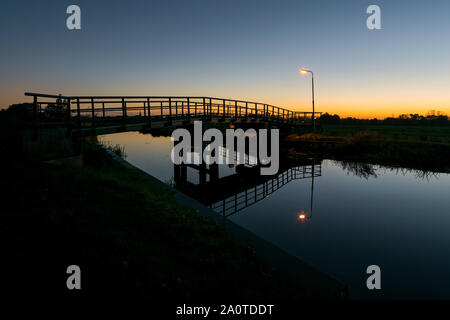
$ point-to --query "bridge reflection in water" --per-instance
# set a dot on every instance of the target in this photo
(228, 189)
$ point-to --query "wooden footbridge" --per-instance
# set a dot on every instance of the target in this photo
(105, 114)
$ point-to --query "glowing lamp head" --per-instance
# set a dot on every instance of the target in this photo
(301, 216)
(303, 71)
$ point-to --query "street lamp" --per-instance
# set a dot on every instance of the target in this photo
(304, 71)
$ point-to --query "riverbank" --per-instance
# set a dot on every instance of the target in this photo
(374, 148)
(131, 239)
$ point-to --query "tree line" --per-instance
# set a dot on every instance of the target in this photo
(432, 118)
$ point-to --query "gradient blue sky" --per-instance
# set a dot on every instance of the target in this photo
(233, 49)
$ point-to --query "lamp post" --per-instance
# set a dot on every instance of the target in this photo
(312, 79)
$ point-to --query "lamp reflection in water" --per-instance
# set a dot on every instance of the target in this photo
(303, 216)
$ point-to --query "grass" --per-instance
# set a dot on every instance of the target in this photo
(130, 238)
(376, 147)
(432, 134)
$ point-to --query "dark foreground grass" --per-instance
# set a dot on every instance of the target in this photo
(130, 238)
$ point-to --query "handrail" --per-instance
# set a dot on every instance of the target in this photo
(155, 97)
(89, 111)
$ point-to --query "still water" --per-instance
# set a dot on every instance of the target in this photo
(337, 217)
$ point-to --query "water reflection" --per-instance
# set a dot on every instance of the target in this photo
(359, 169)
(228, 189)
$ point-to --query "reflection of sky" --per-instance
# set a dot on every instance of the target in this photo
(396, 221)
(233, 49)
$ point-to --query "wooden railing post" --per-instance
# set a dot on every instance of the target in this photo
(246, 110)
(93, 112)
(223, 103)
(162, 110)
(210, 106)
(235, 110)
(189, 108)
(204, 108)
(170, 110)
(124, 112)
(68, 120)
(79, 113)
(256, 111)
(149, 112)
(103, 109)
(35, 117)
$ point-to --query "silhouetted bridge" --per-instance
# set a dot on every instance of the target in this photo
(91, 114)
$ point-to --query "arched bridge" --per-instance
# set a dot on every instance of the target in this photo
(91, 114)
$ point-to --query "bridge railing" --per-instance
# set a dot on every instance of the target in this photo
(76, 112)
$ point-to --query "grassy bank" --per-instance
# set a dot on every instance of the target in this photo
(432, 134)
(130, 238)
(375, 148)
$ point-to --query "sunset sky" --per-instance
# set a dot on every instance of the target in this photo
(248, 50)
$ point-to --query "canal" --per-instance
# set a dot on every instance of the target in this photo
(338, 217)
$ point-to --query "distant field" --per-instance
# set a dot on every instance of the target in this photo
(437, 134)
